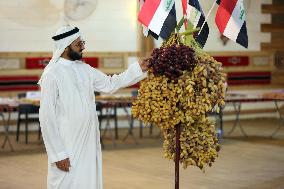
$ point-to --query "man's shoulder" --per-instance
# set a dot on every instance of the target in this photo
(86, 66)
(54, 71)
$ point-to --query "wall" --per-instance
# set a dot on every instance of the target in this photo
(111, 27)
(113, 30)
(27, 26)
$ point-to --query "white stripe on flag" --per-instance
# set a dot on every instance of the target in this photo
(193, 15)
(145, 30)
(159, 18)
(235, 22)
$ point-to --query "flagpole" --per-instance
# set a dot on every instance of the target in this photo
(207, 16)
(177, 156)
(184, 5)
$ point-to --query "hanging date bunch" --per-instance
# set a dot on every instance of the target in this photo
(183, 85)
(172, 60)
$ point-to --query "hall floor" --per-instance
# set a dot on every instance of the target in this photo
(256, 162)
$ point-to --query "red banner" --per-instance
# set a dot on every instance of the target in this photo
(92, 61)
(233, 60)
(37, 62)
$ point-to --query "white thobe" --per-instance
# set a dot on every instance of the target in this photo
(69, 121)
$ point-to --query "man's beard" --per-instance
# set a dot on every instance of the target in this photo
(73, 55)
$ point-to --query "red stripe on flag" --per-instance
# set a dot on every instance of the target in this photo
(184, 6)
(224, 13)
(148, 11)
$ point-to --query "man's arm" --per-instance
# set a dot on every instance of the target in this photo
(48, 121)
(109, 84)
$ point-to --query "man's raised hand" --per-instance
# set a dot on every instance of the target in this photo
(144, 65)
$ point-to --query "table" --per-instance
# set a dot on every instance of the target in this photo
(238, 98)
(118, 102)
(8, 106)
(110, 103)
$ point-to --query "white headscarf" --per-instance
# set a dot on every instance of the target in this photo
(60, 46)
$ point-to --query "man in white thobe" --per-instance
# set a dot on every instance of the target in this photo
(68, 117)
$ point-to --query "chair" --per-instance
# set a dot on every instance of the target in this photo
(27, 113)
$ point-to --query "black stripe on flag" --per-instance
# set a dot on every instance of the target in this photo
(242, 38)
(202, 37)
(155, 36)
(169, 24)
(195, 4)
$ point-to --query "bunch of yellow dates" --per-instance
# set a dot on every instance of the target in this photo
(180, 90)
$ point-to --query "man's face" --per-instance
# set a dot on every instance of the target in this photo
(75, 50)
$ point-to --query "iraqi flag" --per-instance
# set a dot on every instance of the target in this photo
(146, 31)
(196, 16)
(159, 16)
(231, 21)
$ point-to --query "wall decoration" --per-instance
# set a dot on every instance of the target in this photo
(9, 63)
(18, 83)
(249, 78)
(37, 62)
(112, 62)
(260, 60)
(92, 61)
(233, 60)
